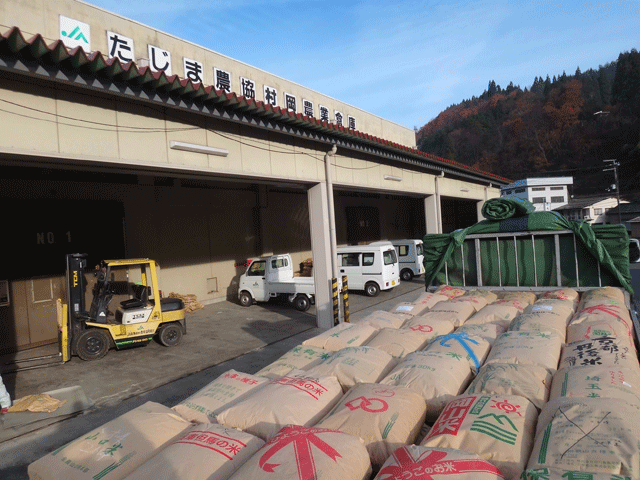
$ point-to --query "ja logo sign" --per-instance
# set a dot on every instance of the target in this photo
(75, 33)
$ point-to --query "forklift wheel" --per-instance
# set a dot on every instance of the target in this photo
(170, 334)
(93, 344)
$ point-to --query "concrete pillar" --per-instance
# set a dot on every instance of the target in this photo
(431, 208)
(321, 247)
(481, 203)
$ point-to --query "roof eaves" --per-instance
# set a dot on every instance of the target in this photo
(95, 62)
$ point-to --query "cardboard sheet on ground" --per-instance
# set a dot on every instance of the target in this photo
(16, 424)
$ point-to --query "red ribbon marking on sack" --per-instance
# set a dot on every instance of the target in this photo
(431, 465)
(302, 438)
(606, 309)
(365, 404)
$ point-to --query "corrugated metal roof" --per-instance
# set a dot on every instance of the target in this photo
(13, 44)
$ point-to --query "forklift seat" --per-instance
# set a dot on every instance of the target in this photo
(140, 297)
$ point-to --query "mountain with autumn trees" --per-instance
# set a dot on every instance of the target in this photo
(565, 126)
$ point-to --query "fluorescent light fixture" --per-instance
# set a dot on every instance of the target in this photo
(464, 189)
(391, 177)
(192, 147)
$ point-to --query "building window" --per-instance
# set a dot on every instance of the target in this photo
(538, 189)
(508, 192)
(519, 190)
(556, 188)
(557, 199)
(537, 200)
(597, 211)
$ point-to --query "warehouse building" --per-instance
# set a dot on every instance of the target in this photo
(122, 141)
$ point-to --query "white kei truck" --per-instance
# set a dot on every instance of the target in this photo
(410, 257)
(271, 277)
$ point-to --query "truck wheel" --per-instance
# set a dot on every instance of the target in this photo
(92, 344)
(245, 299)
(170, 334)
(371, 289)
(302, 303)
(406, 275)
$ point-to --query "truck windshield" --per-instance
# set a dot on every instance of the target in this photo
(389, 257)
(419, 249)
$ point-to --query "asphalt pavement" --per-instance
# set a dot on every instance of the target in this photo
(220, 337)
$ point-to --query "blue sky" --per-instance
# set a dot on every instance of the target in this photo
(405, 61)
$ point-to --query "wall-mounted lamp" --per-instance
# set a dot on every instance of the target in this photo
(393, 178)
(464, 189)
(192, 147)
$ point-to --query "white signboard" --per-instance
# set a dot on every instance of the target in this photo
(75, 33)
(120, 47)
(159, 60)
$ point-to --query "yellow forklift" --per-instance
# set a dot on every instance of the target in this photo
(140, 315)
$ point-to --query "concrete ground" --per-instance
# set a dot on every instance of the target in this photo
(219, 337)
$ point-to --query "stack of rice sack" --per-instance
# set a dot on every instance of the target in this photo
(495, 418)
(453, 385)
(590, 426)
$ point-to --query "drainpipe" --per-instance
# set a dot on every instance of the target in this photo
(332, 216)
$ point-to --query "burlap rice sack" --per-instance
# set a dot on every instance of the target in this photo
(429, 299)
(353, 365)
(477, 301)
(540, 322)
(298, 358)
(204, 451)
(399, 342)
(547, 473)
(434, 324)
(612, 317)
(409, 308)
(524, 297)
(529, 381)
(597, 382)
(563, 294)
(459, 344)
(449, 291)
(458, 311)
(342, 335)
(380, 319)
(115, 449)
(588, 434)
(488, 295)
(529, 348)
(297, 398)
(436, 376)
(308, 453)
(586, 327)
(416, 462)
(385, 417)
(500, 311)
(606, 351)
(498, 428)
(489, 331)
(563, 309)
(607, 295)
(228, 388)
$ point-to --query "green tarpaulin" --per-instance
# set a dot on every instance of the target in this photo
(608, 244)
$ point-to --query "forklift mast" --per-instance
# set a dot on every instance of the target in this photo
(76, 287)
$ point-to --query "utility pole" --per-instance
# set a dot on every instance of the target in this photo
(614, 166)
